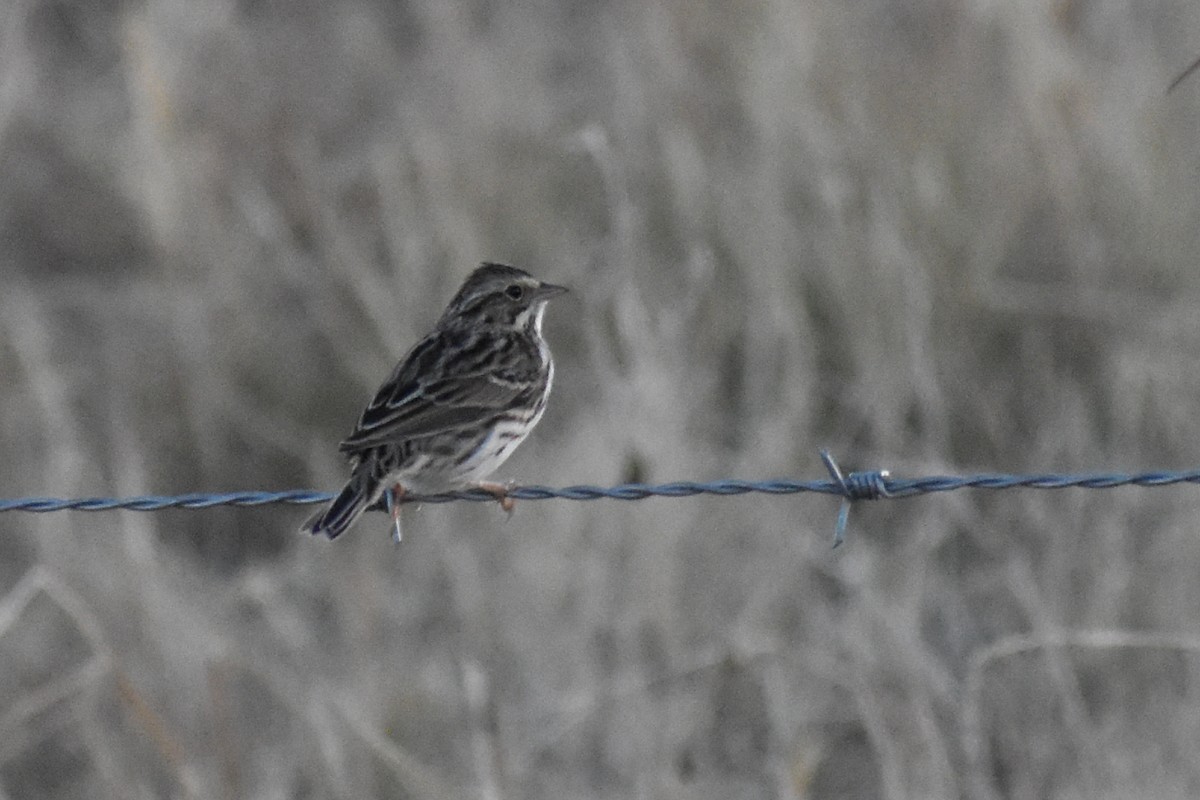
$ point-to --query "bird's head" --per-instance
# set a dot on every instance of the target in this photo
(495, 295)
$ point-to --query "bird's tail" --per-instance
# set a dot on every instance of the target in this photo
(346, 508)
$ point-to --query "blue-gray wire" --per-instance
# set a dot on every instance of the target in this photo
(866, 485)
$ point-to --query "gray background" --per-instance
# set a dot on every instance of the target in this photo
(934, 236)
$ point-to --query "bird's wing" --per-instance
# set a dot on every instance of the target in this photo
(429, 393)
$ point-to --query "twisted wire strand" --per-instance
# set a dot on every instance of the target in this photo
(865, 485)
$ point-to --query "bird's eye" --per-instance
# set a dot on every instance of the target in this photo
(515, 292)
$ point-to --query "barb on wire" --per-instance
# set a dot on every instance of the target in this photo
(1181, 77)
(855, 486)
(851, 487)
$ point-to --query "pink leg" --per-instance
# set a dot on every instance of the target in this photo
(395, 496)
(500, 492)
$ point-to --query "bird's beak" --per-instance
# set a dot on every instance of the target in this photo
(545, 291)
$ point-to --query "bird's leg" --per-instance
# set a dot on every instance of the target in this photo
(394, 496)
(500, 492)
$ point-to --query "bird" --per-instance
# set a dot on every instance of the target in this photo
(457, 404)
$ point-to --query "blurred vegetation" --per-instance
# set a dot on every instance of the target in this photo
(933, 236)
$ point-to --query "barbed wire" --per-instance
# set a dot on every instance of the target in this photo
(851, 487)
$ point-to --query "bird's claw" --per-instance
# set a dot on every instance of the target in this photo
(500, 492)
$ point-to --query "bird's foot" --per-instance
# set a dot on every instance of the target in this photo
(395, 496)
(500, 492)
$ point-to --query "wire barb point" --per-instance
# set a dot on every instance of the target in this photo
(870, 485)
(1181, 77)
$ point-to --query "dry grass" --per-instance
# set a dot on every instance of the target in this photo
(933, 236)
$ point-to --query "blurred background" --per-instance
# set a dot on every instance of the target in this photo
(932, 236)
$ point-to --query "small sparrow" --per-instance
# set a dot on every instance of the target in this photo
(457, 405)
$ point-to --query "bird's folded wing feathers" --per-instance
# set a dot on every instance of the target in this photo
(414, 409)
